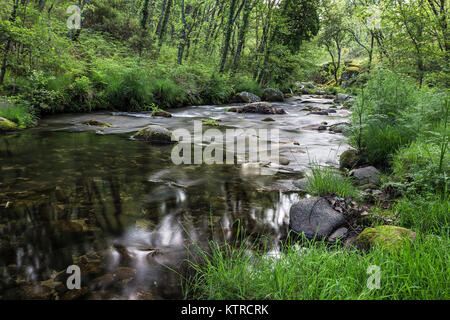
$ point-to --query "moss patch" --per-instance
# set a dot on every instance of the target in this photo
(6, 125)
(389, 237)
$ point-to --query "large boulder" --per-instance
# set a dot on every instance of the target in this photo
(155, 134)
(248, 97)
(389, 237)
(6, 125)
(260, 107)
(349, 159)
(273, 95)
(315, 218)
(366, 175)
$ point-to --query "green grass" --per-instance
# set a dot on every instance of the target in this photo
(19, 114)
(417, 271)
(326, 180)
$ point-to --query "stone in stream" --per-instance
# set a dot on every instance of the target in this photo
(274, 95)
(155, 134)
(261, 108)
(315, 218)
(341, 127)
(318, 127)
(366, 175)
(161, 113)
(6, 125)
(268, 119)
(247, 97)
(388, 237)
(96, 123)
(341, 98)
(320, 113)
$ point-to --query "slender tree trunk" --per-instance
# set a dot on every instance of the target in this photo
(182, 34)
(242, 33)
(228, 33)
(8, 43)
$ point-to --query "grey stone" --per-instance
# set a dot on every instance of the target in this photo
(273, 95)
(315, 218)
(366, 175)
(248, 97)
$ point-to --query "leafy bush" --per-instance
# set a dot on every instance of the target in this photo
(127, 89)
(417, 167)
(216, 90)
(167, 94)
(20, 113)
(245, 84)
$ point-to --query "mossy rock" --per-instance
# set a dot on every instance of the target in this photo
(155, 134)
(7, 125)
(96, 123)
(161, 113)
(349, 159)
(210, 122)
(268, 119)
(389, 237)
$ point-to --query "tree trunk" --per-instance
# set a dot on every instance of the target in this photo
(228, 33)
(8, 43)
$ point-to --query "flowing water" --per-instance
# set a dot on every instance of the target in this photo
(120, 209)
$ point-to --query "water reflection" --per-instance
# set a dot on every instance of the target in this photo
(120, 210)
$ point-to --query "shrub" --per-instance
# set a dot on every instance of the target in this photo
(167, 94)
(216, 90)
(245, 84)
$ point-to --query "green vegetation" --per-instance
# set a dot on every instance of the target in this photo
(418, 271)
(327, 181)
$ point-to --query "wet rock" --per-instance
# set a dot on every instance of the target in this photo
(331, 110)
(349, 159)
(123, 273)
(320, 113)
(315, 218)
(161, 113)
(232, 109)
(389, 237)
(284, 161)
(248, 97)
(96, 123)
(261, 108)
(341, 98)
(268, 119)
(155, 134)
(75, 294)
(274, 95)
(366, 175)
(302, 184)
(318, 127)
(338, 234)
(6, 125)
(342, 127)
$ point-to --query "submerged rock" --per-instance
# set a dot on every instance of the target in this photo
(366, 175)
(315, 218)
(268, 119)
(260, 107)
(349, 159)
(161, 113)
(248, 97)
(6, 125)
(155, 134)
(389, 237)
(271, 94)
(96, 123)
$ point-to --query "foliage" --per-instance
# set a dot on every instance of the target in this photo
(325, 181)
